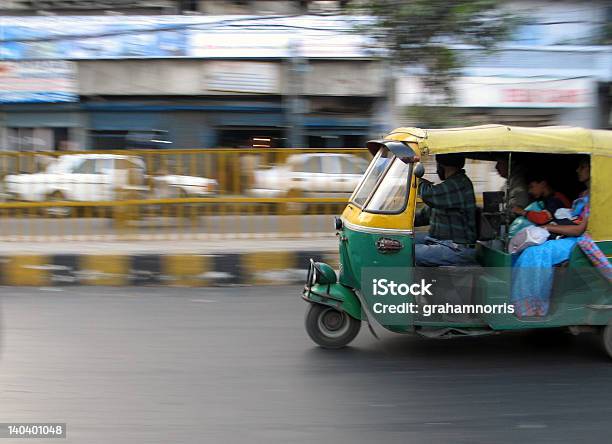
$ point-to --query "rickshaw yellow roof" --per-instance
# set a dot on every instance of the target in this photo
(499, 138)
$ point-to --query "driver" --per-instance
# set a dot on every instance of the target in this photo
(450, 212)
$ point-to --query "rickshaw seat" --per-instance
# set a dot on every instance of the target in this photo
(492, 254)
(487, 224)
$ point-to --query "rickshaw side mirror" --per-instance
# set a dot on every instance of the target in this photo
(419, 170)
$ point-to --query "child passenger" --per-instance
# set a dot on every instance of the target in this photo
(548, 199)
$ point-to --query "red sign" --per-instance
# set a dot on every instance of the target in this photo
(529, 95)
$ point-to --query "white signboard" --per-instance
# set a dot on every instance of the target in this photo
(501, 92)
(243, 77)
(238, 44)
(338, 45)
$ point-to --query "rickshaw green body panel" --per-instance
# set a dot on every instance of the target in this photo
(579, 303)
(574, 300)
(365, 243)
(342, 295)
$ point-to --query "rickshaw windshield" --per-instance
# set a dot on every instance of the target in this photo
(392, 193)
(378, 166)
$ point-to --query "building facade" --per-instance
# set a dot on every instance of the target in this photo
(186, 81)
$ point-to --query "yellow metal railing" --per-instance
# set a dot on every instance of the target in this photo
(153, 194)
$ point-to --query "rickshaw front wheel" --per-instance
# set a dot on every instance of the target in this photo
(606, 339)
(330, 328)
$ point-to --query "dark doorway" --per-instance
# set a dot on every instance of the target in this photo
(255, 137)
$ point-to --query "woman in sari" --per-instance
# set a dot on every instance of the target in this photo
(533, 271)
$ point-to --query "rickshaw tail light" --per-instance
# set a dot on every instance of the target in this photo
(338, 223)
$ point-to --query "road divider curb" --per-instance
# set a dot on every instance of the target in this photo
(186, 270)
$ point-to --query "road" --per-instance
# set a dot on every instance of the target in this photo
(228, 365)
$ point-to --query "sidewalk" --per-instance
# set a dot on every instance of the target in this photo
(187, 246)
(265, 261)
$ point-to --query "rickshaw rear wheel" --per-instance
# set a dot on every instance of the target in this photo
(606, 339)
(330, 328)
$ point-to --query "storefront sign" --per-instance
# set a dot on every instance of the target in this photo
(40, 81)
(499, 92)
(236, 44)
(243, 77)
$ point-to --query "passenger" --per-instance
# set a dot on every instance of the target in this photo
(532, 278)
(547, 199)
(516, 183)
(450, 212)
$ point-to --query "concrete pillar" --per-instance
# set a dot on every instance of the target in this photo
(78, 136)
(3, 133)
(295, 103)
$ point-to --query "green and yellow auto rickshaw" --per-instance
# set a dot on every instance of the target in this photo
(376, 236)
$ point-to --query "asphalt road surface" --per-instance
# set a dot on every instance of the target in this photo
(229, 365)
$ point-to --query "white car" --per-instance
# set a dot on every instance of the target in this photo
(310, 175)
(98, 177)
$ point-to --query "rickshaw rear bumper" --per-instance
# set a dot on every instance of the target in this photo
(334, 295)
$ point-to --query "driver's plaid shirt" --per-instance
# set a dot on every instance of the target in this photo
(450, 210)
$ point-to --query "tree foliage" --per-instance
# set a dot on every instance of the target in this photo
(422, 32)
